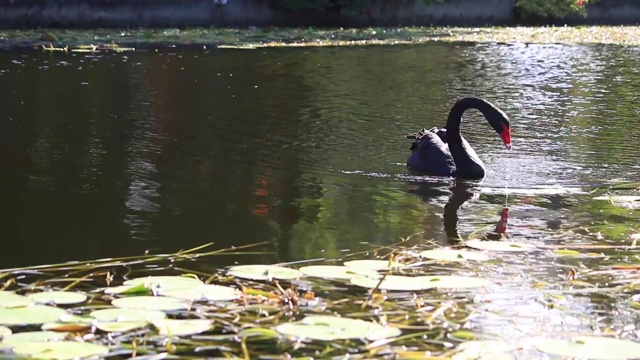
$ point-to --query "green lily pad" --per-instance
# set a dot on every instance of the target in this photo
(165, 283)
(34, 336)
(500, 246)
(150, 303)
(591, 347)
(30, 315)
(454, 255)
(58, 297)
(127, 315)
(119, 326)
(65, 326)
(373, 264)
(4, 332)
(330, 328)
(205, 293)
(408, 283)
(59, 350)
(171, 327)
(71, 318)
(264, 272)
(337, 271)
(139, 289)
(10, 299)
(391, 282)
(484, 350)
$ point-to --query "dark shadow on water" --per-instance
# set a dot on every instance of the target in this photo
(458, 193)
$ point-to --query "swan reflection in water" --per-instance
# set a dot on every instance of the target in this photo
(458, 194)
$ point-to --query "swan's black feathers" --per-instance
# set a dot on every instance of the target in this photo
(431, 144)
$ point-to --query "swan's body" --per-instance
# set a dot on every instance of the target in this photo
(444, 152)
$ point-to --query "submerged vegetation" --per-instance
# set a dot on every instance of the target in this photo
(127, 40)
(414, 299)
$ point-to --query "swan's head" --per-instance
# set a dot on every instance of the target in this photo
(500, 123)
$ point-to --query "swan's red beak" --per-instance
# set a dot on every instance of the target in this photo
(505, 135)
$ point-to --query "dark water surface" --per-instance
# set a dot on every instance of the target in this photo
(106, 155)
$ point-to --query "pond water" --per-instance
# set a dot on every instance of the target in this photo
(108, 155)
(115, 154)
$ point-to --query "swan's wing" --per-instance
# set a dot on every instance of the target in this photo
(431, 155)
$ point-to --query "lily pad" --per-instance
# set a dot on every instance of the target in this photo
(165, 283)
(171, 327)
(330, 328)
(119, 326)
(373, 264)
(408, 283)
(150, 303)
(591, 347)
(454, 255)
(391, 282)
(205, 293)
(500, 246)
(484, 350)
(30, 315)
(59, 350)
(58, 297)
(4, 332)
(65, 326)
(34, 336)
(337, 271)
(10, 299)
(264, 272)
(126, 315)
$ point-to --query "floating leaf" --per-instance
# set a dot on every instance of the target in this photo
(165, 283)
(71, 318)
(150, 303)
(58, 297)
(171, 327)
(139, 289)
(486, 345)
(4, 332)
(59, 350)
(264, 272)
(591, 347)
(337, 271)
(330, 328)
(30, 315)
(566, 252)
(109, 315)
(33, 336)
(391, 282)
(206, 293)
(65, 326)
(119, 326)
(408, 283)
(499, 245)
(373, 264)
(454, 255)
(10, 299)
(463, 334)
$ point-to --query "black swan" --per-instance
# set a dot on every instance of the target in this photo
(444, 152)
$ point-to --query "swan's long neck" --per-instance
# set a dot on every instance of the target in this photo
(467, 161)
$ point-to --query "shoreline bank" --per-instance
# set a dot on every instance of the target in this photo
(127, 40)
